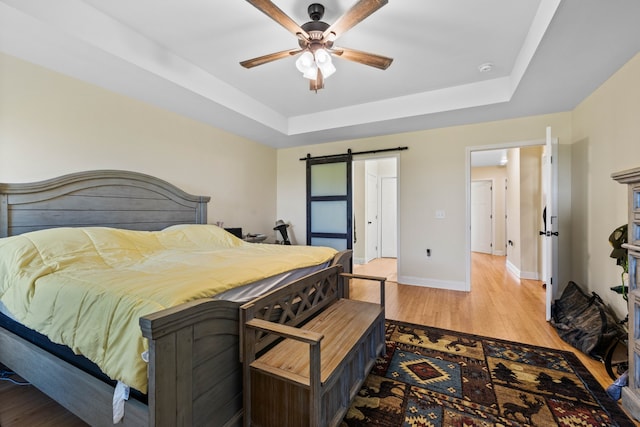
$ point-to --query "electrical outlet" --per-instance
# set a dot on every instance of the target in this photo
(428, 253)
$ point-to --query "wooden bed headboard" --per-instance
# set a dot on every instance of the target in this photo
(105, 198)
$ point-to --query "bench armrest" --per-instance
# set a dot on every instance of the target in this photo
(303, 335)
(364, 277)
(309, 337)
(380, 279)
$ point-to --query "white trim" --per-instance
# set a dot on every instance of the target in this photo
(530, 275)
(527, 275)
(451, 285)
(513, 269)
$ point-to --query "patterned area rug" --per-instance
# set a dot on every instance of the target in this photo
(434, 377)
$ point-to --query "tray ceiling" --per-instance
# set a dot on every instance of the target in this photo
(183, 55)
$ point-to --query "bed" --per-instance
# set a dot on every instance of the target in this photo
(194, 373)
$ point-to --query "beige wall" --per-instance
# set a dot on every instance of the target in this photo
(51, 125)
(606, 136)
(432, 176)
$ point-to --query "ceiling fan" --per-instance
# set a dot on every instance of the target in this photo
(315, 40)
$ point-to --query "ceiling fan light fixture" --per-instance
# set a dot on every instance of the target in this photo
(306, 64)
(311, 73)
(324, 62)
(309, 62)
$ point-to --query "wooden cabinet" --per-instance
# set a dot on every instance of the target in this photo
(631, 394)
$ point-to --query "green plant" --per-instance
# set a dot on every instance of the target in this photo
(618, 238)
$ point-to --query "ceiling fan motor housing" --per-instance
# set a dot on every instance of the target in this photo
(314, 28)
(315, 11)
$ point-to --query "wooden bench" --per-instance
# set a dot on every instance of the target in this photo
(307, 349)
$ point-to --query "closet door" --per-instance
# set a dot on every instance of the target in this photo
(329, 202)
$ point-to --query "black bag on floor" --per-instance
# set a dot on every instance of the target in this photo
(584, 321)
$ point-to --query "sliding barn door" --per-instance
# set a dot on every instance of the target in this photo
(329, 202)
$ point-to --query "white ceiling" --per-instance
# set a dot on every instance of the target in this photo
(183, 55)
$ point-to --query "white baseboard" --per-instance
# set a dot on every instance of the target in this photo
(359, 261)
(528, 275)
(433, 283)
(513, 269)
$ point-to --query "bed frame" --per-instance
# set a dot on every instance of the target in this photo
(195, 376)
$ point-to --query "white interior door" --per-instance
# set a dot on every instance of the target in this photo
(550, 232)
(482, 216)
(371, 216)
(388, 217)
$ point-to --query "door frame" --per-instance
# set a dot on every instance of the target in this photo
(468, 151)
(384, 156)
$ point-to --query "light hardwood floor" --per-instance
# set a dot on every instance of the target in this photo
(499, 306)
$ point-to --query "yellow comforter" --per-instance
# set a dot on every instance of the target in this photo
(87, 287)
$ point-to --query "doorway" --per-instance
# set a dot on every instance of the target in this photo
(375, 207)
(516, 171)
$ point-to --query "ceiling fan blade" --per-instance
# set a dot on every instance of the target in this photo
(254, 62)
(275, 13)
(371, 59)
(356, 14)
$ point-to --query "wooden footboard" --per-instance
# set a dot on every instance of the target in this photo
(195, 377)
